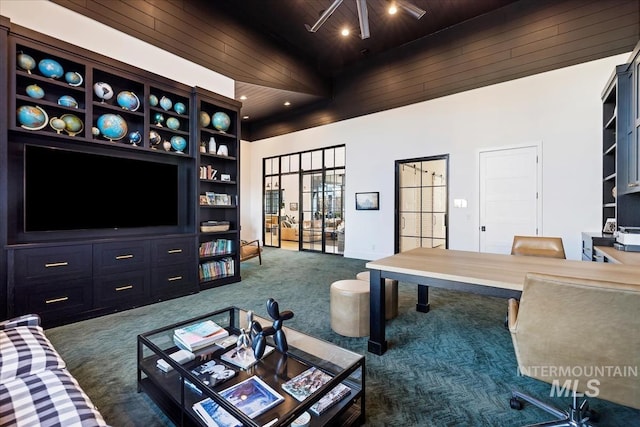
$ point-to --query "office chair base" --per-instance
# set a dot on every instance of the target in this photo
(576, 416)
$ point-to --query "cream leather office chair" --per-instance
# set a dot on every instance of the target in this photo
(550, 247)
(574, 332)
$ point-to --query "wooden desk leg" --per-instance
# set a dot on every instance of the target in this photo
(423, 299)
(377, 343)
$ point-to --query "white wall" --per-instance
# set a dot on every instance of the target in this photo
(561, 109)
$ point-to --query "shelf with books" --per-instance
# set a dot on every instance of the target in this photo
(217, 130)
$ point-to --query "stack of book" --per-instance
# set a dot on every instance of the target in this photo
(199, 335)
(306, 383)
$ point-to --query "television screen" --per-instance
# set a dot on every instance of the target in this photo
(72, 190)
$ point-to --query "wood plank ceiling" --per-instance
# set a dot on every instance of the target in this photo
(457, 45)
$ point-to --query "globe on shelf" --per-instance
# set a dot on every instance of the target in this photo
(135, 137)
(57, 124)
(128, 100)
(153, 100)
(73, 78)
(165, 103)
(50, 68)
(32, 117)
(204, 119)
(179, 108)
(26, 62)
(95, 131)
(35, 91)
(158, 119)
(73, 124)
(173, 123)
(154, 138)
(68, 101)
(112, 126)
(221, 121)
(103, 91)
(178, 143)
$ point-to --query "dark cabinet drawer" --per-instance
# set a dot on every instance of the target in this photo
(173, 251)
(52, 263)
(55, 300)
(120, 256)
(173, 280)
(127, 288)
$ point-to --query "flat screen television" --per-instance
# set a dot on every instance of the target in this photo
(72, 190)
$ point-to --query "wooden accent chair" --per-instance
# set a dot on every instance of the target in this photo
(250, 250)
(573, 333)
(550, 247)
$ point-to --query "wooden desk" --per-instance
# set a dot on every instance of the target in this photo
(618, 257)
(481, 273)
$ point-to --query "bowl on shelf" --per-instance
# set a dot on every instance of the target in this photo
(73, 78)
(178, 143)
(128, 100)
(73, 124)
(221, 121)
(26, 62)
(35, 91)
(50, 68)
(112, 126)
(32, 117)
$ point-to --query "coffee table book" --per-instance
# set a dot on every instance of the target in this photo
(199, 335)
(213, 415)
(252, 396)
(303, 385)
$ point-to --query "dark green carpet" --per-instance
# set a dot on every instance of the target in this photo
(453, 366)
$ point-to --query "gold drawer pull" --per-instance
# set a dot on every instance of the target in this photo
(56, 264)
(173, 279)
(174, 251)
(124, 288)
(51, 301)
(119, 257)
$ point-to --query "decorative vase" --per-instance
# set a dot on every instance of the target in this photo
(178, 143)
(35, 91)
(223, 150)
(50, 68)
(103, 91)
(68, 101)
(26, 62)
(165, 103)
(221, 121)
(179, 108)
(128, 100)
(173, 123)
(32, 117)
(73, 78)
(166, 145)
(212, 145)
(112, 126)
(73, 124)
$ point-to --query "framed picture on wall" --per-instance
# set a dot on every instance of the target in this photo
(367, 201)
(293, 206)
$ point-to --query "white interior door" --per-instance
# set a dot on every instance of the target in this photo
(509, 197)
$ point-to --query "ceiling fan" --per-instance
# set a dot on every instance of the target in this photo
(363, 16)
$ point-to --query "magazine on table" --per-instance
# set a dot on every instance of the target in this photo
(336, 394)
(213, 415)
(199, 335)
(243, 357)
(252, 396)
(303, 385)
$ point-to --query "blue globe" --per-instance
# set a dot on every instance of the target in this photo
(50, 68)
(112, 126)
(128, 100)
(32, 117)
(178, 143)
(221, 121)
(35, 91)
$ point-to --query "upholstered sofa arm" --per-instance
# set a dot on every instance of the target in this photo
(512, 314)
(24, 320)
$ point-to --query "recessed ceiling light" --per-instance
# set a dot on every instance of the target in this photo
(245, 117)
(393, 9)
(242, 98)
(287, 103)
(344, 32)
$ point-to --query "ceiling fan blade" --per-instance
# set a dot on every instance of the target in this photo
(325, 15)
(363, 17)
(412, 9)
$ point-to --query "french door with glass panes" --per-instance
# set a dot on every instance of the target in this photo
(422, 203)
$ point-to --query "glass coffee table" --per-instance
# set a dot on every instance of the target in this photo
(183, 385)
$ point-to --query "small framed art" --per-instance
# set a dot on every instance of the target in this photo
(609, 226)
(367, 201)
(293, 206)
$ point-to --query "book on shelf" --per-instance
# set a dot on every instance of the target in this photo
(336, 394)
(306, 383)
(243, 357)
(199, 335)
(252, 396)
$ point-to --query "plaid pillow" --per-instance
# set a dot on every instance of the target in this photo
(26, 350)
(47, 399)
(24, 320)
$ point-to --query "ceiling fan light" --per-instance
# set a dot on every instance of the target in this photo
(411, 9)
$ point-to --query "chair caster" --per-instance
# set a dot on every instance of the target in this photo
(515, 403)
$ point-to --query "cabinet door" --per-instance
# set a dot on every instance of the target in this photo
(116, 257)
(48, 263)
